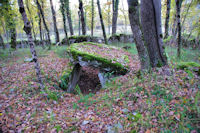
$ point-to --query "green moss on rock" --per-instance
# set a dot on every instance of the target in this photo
(109, 56)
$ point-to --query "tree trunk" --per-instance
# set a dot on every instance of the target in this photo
(184, 18)
(31, 19)
(102, 23)
(2, 42)
(82, 17)
(167, 19)
(64, 20)
(55, 23)
(27, 29)
(92, 23)
(178, 10)
(44, 22)
(125, 18)
(79, 23)
(115, 15)
(137, 33)
(109, 17)
(13, 37)
(151, 25)
(40, 26)
(68, 11)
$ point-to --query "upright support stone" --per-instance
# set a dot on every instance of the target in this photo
(74, 78)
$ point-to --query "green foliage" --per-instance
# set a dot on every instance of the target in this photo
(167, 39)
(53, 95)
(61, 51)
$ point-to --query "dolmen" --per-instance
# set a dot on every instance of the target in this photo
(108, 59)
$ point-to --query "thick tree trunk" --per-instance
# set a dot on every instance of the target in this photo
(64, 20)
(167, 19)
(44, 22)
(13, 37)
(115, 15)
(27, 29)
(137, 33)
(178, 10)
(55, 23)
(82, 17)
(92, 23)
(68, 11)
(151, 25)
(102, 23)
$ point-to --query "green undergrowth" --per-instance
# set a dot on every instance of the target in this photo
(159, 103)
(22, 53)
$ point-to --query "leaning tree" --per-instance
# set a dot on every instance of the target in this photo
(27, 29)
(102, 23)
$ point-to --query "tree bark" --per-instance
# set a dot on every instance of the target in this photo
(151, 26)
(27, 29)
(102, 23)
(178, 10)
(109, 7)
(55, 23)
(44, 22)
(167, 19)
(115, 15)
(64, 20)
(82, 17)
(13, 37)
(79, 23)
(92, 23)
(31, 19)
(68, 11)
(2, 42)
(137, 33)
(40, 26)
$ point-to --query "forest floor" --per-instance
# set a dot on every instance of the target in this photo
(162, 100)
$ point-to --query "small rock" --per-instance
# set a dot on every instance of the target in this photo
(28, 60)
(85, 122)
(125, 110)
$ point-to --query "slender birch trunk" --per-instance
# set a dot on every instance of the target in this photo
(27, 29)
(178, 10)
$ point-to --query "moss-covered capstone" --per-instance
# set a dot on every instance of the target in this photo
(109, 58)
